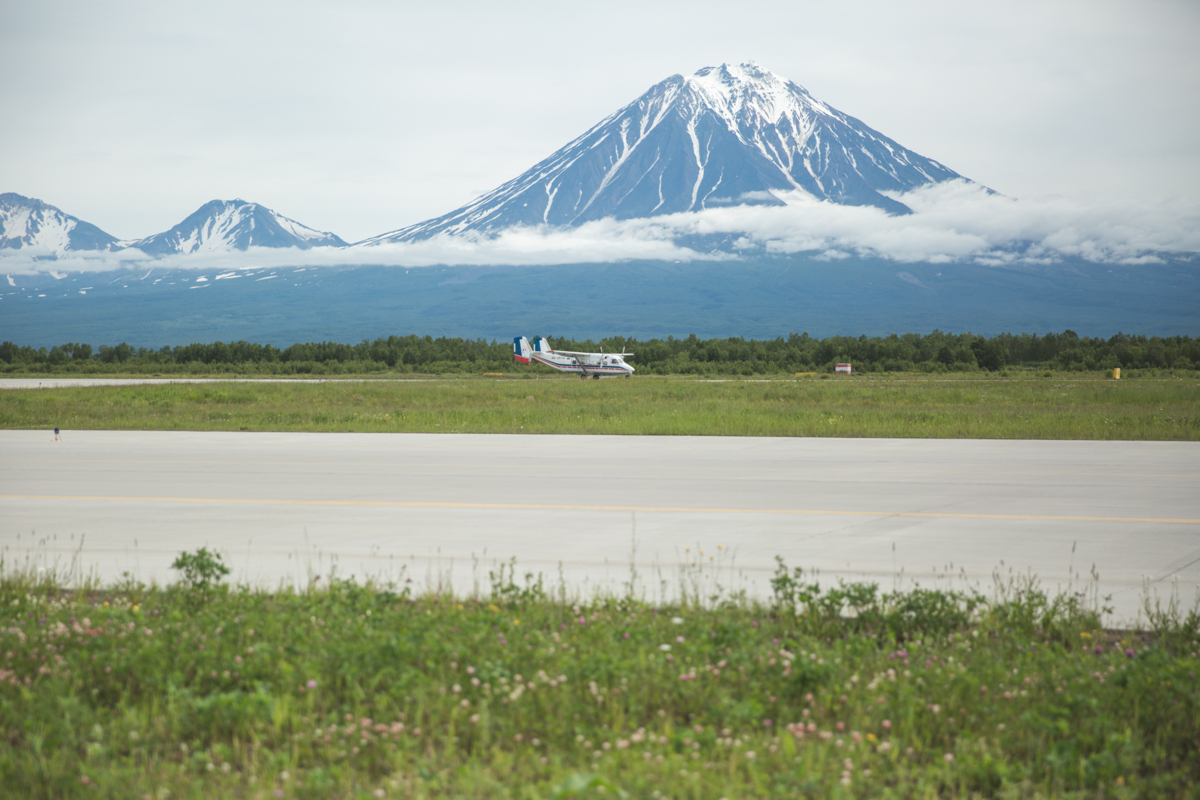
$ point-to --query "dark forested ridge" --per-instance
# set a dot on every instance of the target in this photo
(910, 352)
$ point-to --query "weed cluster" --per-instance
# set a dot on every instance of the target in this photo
(344, 690)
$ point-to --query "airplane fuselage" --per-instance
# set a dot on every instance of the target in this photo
(597, 365)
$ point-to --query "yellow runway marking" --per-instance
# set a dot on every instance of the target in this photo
(563, 507)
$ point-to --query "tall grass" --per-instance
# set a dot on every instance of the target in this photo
(347, 690)
(1055, 408)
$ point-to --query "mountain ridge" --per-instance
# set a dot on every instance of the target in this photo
(218, 225)
(26, 222)
(233, 225)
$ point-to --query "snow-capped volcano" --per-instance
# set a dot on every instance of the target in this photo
(223, 225)
(726, 135)
(29, 223)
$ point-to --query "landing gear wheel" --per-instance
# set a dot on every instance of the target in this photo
(595, 377)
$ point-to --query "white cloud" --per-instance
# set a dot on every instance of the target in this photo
(951, 222)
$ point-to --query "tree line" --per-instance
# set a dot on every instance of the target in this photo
(911, 352)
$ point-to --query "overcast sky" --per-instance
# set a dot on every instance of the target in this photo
(362, 117)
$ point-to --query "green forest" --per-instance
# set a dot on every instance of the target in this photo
(910, 352)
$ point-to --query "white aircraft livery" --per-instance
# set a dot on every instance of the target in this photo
(585, 365)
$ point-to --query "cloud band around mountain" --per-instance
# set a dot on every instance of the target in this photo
(954, 221)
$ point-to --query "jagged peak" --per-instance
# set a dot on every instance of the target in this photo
(749, 88)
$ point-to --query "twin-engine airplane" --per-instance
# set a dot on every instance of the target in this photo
(585, 365)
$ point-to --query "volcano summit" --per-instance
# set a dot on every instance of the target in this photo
(726, 135)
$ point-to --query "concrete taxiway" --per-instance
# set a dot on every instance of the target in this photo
(602, 511)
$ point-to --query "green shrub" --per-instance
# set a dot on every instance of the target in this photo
(202, 570)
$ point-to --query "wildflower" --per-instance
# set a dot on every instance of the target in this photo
(677, 620)
(948, 757)
(679, 639)
(666, 648)
(751, 755)
(767, 723)
(474, 719)
(887, 724)
(312, 684)
(1129, 652)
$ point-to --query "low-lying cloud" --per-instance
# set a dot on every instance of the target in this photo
(951, 222)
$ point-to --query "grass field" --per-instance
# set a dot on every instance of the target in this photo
(1058, 406)
(346, 691)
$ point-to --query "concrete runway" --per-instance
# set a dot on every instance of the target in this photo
(445, 509)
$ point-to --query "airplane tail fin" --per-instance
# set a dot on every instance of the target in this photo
(521, 350)
(542, 345)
